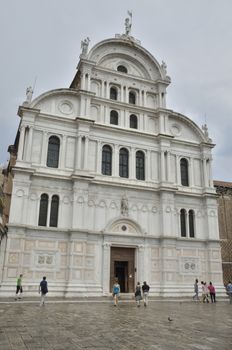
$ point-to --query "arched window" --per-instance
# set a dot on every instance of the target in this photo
(114, 117)
(106, 160)
(54, 211)
(184, 172)
(123, 163)
(113, 93)
(53, 152)
(132, 98)
(122, 69)
(140, 168)
(191, 224)
(133, 121)
(43, 210)
(183, 222)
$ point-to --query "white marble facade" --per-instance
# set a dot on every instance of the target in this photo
(75, 255)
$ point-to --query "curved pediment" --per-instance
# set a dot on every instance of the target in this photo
(124, 225)
(183, 128)
(61, 102)
(139, 62)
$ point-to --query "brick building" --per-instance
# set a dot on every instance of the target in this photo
(224, 191)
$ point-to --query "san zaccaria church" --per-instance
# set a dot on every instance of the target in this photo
(109, 182)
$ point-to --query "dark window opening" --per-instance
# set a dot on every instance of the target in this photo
(123, 163)
(54, 211)
(53, 152)
(140, 169)
(113, 94)
(183, 222)
(122, 69)
(106, 160)
(132, 98)
(184, 172)
(191, 224)
(133, 122)
(114, 117)
(43, 210)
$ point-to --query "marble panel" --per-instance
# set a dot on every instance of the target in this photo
(15, 244)
(13, 258)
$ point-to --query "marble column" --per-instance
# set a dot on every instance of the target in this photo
(29, 144)
(106, 268)
(21, 142)
(86, 152)
(44, 148)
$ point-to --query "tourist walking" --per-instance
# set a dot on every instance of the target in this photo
(205, 292)
(229, 291)
(19, 287)
(145, 289)
(116, 291)
(43, 289)
(196, 290)
(138, 294)
(212, 292)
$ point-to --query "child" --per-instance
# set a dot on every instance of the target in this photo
(115, 292)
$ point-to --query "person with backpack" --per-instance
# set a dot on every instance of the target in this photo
(138, 294)
(43, 289)
(145, 289)
(115, 292)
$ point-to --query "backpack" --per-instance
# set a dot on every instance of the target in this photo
(116, 289)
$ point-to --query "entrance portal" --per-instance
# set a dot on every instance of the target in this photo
(122, 267)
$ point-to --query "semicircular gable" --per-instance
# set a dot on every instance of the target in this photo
(113, 52)
(123, 226)
(63, 102)
(183, 128)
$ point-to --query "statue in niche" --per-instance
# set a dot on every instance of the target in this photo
(84, 46)
(29, 93)
(124, 205)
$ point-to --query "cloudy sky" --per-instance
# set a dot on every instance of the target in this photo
(41, 39)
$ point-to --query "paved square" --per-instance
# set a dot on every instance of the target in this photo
(98, 325)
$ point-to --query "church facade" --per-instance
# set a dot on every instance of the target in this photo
(109, 183)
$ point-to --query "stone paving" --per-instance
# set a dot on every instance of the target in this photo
(69, 325)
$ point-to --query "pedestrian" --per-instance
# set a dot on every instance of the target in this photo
(229, 291)
(205, 292)
(138, 294)
(145, 289)
(212, 292)
(196, 290)
(43, 289)
(116, 291)
(19, 288)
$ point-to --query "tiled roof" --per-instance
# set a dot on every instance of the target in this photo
(222, 184)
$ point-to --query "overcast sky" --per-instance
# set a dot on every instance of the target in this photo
(194, 37)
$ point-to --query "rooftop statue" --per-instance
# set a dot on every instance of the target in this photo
(128, 23)
(206, 133)
(29, 93)
(164, 67)
(84, 46)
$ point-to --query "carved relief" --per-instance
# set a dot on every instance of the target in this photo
(189, 266)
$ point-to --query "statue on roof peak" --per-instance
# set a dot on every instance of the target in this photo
(84, 46)
(128, 23)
